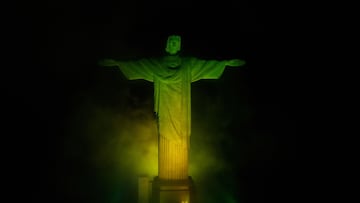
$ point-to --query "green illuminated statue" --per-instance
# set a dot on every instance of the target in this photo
(172, 76)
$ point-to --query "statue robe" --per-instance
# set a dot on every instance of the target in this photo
(172, 105)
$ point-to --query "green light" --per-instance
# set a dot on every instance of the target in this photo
(172, 76)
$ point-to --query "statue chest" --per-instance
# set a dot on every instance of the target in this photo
(172, 62)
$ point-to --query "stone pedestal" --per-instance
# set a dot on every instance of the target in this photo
(173, 191)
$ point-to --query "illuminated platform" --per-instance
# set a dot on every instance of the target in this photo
(173, 191)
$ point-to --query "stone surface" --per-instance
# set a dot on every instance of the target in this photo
(179, 191)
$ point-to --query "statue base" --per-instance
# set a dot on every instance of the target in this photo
(173, 191)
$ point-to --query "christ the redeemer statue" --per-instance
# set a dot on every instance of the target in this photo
(172, 76)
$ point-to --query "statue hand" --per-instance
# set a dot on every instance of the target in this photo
(108, 62)
(235, 62)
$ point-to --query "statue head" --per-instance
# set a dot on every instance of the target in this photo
(173, 44)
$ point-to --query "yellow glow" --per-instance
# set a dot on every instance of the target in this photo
(205, 160)
(185, 198)
(137, 149)
(173, 159)
(128, 145)
(125, 144)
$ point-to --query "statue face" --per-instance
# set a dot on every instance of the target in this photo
(173, 44)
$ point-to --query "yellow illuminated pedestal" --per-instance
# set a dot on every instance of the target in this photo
(180, 191)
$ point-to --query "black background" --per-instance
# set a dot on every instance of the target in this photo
(55, 46)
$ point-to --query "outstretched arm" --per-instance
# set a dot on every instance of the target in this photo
(235, 62)
(133, 70)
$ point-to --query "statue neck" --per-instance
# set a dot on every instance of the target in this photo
(172, 61)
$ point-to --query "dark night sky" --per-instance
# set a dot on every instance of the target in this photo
(59, 45)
